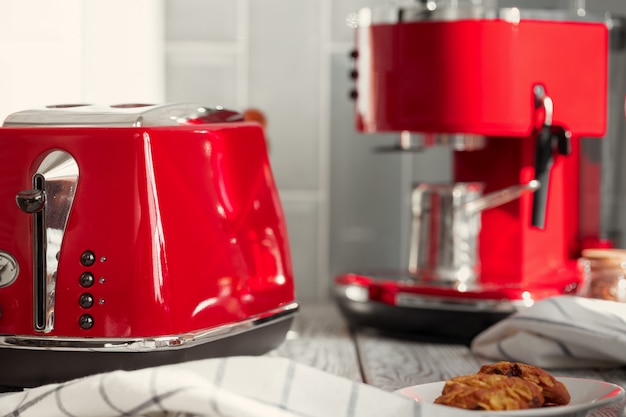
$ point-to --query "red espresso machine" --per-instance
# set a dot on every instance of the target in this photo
(137, 235)
(511, 92)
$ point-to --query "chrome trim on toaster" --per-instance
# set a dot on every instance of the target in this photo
(122, 115)
(148, 344)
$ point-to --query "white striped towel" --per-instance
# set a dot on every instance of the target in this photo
(235, 386)
(559, 332)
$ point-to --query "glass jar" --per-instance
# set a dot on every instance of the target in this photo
(604, 274)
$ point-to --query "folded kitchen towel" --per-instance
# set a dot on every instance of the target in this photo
(559, 332)
(236, 386)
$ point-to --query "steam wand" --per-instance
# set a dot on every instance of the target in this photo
(549, 139)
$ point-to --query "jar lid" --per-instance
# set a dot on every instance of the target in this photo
(601, 253)
(605, 258)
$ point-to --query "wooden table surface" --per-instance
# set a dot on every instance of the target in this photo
(320, 337)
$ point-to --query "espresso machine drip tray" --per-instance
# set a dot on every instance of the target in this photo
(399, 305)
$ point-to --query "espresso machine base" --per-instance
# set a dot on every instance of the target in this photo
(397, 304)
(423, 324)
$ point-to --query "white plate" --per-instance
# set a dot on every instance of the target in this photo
(586, 396)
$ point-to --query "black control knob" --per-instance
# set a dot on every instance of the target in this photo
(88, 258)
(86, 279)
(86, 300)
(85, 322)
(354, 54)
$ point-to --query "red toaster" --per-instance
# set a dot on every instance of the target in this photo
(136, 235)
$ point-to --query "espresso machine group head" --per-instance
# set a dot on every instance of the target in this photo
(511, 91)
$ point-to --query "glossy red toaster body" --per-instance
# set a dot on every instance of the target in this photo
(138, 228)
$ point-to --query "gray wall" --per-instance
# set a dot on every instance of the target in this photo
(347, 207)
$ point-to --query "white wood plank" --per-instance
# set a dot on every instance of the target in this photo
(320, 338)
(391, 364)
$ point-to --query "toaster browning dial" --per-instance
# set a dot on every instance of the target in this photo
(9, 269)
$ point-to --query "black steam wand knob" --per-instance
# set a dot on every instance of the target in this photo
(543, 165)
(550, 140)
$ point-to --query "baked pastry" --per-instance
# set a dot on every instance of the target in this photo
(554, 392)
(490, 392)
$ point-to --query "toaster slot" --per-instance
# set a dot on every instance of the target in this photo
(39, 258)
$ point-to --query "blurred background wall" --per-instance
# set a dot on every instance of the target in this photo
(347, 206)
(77, 51)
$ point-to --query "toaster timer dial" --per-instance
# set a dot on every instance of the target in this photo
(9, 269)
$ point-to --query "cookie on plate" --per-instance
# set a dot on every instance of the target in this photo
(554, 392)
(490, 392)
